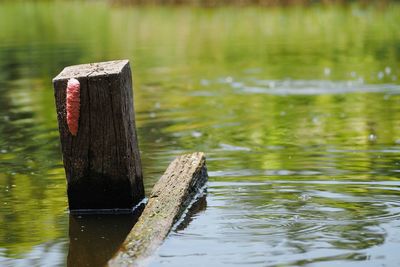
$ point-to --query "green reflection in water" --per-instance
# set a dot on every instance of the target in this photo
(297, 109)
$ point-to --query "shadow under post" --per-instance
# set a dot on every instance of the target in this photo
(95, 238)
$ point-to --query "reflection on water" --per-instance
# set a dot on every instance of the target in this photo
(94, 239)
(298, 110)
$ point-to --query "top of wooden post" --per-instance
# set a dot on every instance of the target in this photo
(92, 69)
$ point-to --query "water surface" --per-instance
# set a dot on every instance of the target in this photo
(296, 108)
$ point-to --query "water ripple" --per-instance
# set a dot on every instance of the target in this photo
(311, 87)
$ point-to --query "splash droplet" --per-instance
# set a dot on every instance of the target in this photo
(327, 71)
(304, 197)
(196, 134)
(372, 137)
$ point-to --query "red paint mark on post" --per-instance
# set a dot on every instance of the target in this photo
(73, 105)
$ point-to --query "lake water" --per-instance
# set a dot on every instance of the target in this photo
(297, 109)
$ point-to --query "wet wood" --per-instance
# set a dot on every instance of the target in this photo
(102, 162)
(169, 198)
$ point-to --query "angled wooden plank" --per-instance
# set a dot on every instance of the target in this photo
(171, 195)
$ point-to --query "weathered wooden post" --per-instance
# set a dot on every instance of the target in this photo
(101, 159)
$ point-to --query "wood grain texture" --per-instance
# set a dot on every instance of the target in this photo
(102, 162)
(169, 198)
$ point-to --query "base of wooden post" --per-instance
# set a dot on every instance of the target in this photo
(170, 197)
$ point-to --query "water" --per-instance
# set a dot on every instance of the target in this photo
(297, 109)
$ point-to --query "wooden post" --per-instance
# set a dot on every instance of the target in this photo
(169, 198)
(102, 161)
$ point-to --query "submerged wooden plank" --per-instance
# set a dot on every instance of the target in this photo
(171, 195)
